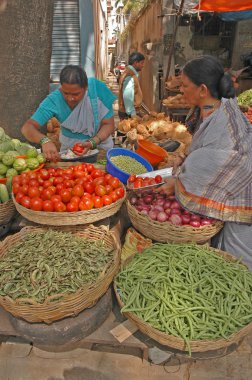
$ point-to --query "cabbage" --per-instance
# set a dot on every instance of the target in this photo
(1, 155)
(16, 143)
(32, 163)
(31, 153)
(3, 168)
(11, 172)
(8, 159)
(41, 158)
(19, 164)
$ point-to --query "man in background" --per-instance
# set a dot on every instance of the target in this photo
(130, 93)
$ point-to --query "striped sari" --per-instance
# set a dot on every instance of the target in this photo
(215, 180)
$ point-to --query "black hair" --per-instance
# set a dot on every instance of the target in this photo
(136, 57)
(72, 74)
(209, 71)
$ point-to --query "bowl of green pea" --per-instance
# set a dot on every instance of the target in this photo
(122, 163)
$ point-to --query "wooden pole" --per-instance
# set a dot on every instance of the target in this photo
(174, 39)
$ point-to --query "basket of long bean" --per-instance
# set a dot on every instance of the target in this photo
(167, 232)
(189, 297)
(50, 274)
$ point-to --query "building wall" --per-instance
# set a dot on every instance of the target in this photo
(87, 39)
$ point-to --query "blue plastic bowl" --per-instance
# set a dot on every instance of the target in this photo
(120, 174)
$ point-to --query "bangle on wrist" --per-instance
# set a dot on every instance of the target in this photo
(93, 143)
(44, 140)
(99, 139)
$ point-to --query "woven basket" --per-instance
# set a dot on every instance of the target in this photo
(179, 343)
(7, 211)
(70, 218)
(168, 232)
(69, 305)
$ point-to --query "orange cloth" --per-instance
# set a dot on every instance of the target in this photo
(224, 5)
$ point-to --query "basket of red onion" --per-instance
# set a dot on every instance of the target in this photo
(163, 219)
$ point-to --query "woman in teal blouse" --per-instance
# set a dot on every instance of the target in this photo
(84, 108)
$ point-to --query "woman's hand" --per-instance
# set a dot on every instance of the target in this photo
(50, 151)
(178, 162)
(168, 188)
(80, 149)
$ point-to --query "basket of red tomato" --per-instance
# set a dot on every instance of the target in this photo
(78, 194)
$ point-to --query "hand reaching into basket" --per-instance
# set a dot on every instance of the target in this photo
(168, 188)
(178, 162)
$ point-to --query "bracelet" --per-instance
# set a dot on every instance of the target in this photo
(44, 140)
(99, 139)
(93, 143)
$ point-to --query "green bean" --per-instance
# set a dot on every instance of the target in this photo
(128, 164)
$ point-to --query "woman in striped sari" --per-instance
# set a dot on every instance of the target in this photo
(215, 179)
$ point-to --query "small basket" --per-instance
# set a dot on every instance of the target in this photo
(70, 218)
(179, 343)
(168, 232)
(69, 305)
(7, 211)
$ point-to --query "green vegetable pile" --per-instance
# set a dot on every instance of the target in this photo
(128, 164)
(52, 262)
(245, 98)
(187, 291)
(10, 150)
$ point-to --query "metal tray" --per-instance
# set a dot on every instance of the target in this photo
(165, 173)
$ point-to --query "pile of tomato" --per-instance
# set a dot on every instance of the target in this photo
(135, 182)
(77, 188)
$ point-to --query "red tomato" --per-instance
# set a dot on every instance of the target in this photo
(24, 175)
(72, 207)
(16, 179)
(46, 194)
(78, 167)
(138, 184)
(107, 177)
(47, 183)
(59, 206)
(33, 192)
(44, 174)
(26, 202)
(19, 196)
(51, 172)
(78, 190)
(99, 181)
(52, 189)
(114, 196)
(90, 168)
(109, 189)
(89, 187)
(33, 183)
(75, 199)
(158, 179)
(24, 181)
(59, 188)
(86, 204)
(68, 172)
(86, 195)
(132, 178)
(107, 200)
(25, 189)
(69, 183)
(48, 206)
(56, 198)
(58, 180)
(33, 175)
(119, 192)
(59, 172)
(36, 204)
(40, 180)
(98, 201)
(66, 195)
(97, 173)
(114, 182)
(79, 174)
(100, 190)
(15, 188)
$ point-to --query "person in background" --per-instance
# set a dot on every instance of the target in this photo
(215, 179)
(130, 93)
(83, 106)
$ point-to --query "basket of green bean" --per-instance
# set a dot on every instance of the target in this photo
(185, 296)
(50, 274)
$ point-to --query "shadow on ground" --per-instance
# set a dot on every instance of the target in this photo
(81, 373)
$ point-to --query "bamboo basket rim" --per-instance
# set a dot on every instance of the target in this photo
(168, 232)
(7, 211)
(179, 343)
(69, 218)
(52, 309)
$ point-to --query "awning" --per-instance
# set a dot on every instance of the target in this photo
(224, 5)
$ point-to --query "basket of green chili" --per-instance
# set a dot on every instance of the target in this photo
(189, 297)
(50, 274)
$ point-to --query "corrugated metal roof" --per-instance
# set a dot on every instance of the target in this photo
(65, 36)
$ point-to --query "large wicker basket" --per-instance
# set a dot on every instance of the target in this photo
(7, 211)
(70, 218)
(72, 304)
(168, 232)
(179, 343)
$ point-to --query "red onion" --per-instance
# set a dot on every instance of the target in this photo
(195, 217)
(175, 219)
(167, 204)
(175, 204)
(185, 219)
(159, 201)
(133, 200)
(171, 198)
(185, 212)
(144, 212)
(175, 211)
(195, 223)
(168, 211)
(205, 222)
(153, 214)
(158, 208)
(162, 216)
(148, 199)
